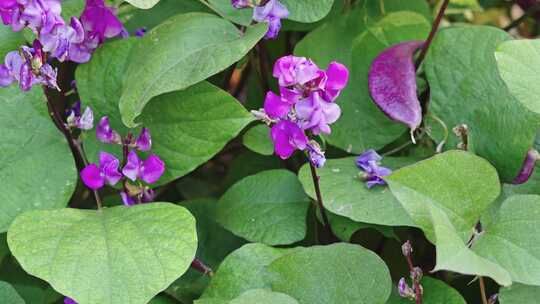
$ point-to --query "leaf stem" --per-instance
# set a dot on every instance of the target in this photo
(75, 146)
(434, 29)
(320, 204)
(202, 268)
(482, 290)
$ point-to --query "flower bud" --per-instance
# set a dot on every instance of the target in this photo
(404, 290)
(406, 249)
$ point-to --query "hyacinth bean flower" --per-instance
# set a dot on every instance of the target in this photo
(105, 133)
(392, 84)
(75, 119)
(96, 176)
(369, 162)
(149, 170)
(269, 11)
(404, 290)
(144, 141)
(28, 68)
(287, 137)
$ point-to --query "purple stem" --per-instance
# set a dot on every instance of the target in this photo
(434, 29)
(316, 184)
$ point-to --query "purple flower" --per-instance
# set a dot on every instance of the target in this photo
(316, 114)
(276, 106)
(287, 137)
(369, 162)
(95, 177)
(149, 170)
(35, 14)
(144, 141)
(68, 300)
(272, 12)
(76, 120)
(241, 3)
(140, 32)
(106, 134)
(60, 39)
(291, 70)
(404, 290)
(316, 155)
(100, 21)
(337, 79)
(28, 68)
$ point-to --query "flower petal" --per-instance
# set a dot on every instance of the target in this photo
(152, 169)
(92, 177)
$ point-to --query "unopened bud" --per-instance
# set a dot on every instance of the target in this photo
(404, 290)
(416, 274)
(407, 249)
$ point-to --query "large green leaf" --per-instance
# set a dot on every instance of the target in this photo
(188, 127)
(445, 195)
(9, 295)
(269, 207)
(180, 52)
(11, 41)
(308, 10)
(144, 4)
(243, 270)
(466, 88)
(37, 169)
(345, 194)
(339, 273)
(263, 296)
(362, 125)
(435, 292)
(257, 139)
(110, 256)
(517, 61)
(225, 9)
(519, 294)
(512, 237)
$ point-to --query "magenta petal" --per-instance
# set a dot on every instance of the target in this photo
(144, 141)
(92, 177)
(68, 300)
(287, 137)
(109, 168)
(275, 107)
(338, 76)
(152, 169)
(105, 133)
(392, 83)
(132, 168)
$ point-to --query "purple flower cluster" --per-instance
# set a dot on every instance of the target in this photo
(75, 41)
(306, 104)
(108, 170)
(370, 163)
(270, 11)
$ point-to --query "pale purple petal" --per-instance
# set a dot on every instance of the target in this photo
(127, 200)
(240, 3)
(132, 168)
(26, 77)
(152, 169)
(274, 26)
(5, 77)
(365, 159)
(86, 121)
(144, 141)
(287, 137)
(105, 133)
(109, 164)
(92, 177)
(392, 83)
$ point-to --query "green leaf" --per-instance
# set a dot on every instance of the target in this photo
(510, 240)
(344, 228)
(257, 139)
(37, 169)
(460, 184)
(243, 270)
(180, 52)
(516, 60)
(215, 243)
(144, 4)
(338, 273)
(263, 296)
(519, 294)
(120, 254)
(225, 9)
(188, 127)
(308, 11)
(362, 125)
(445, 195)
(466, 88)
(9, 295)
(435, 292)
(162, 300)
(11, 41)
(345, 194)
(269, 207)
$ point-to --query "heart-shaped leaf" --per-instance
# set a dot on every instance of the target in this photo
(178, 53)
(263, 296)
(112, 256)
(9, 295)
(510, 239)
(392, 83)
(345, 194)
(338, 273)
(37, 169)
(257, 139)
(519, 294)
(308, 11)
(269, 207)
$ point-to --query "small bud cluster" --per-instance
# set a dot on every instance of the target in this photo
(415, 273)
(370, 163)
